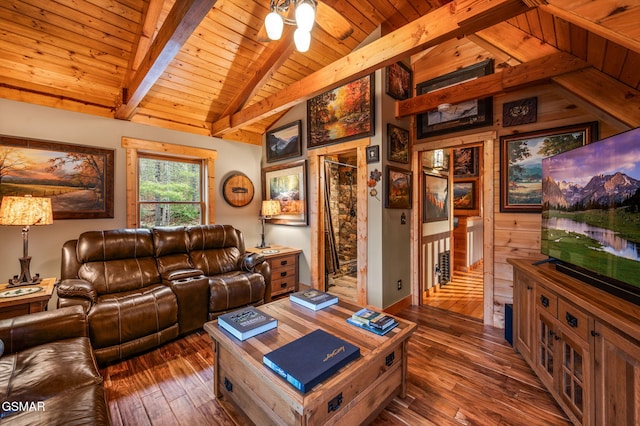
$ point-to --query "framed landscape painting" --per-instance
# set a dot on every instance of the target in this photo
(287, 183)
(284, 142)
(465, 162)
(78, 179)
(342, 114)
(399, 81)
(462, 116)
(521, 157)
(397, 144)
(398, 193)
(464, 195)
(436, 198)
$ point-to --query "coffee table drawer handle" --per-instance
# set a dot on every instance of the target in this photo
(228, 385)
(389, 359)
(335, 403)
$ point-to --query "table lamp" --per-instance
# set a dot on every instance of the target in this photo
(25, 211)
(269, 208)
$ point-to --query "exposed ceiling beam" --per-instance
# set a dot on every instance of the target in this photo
(512, 78)
(271, 61)
(593, 87)
(183, 19)
(449, 21)
(605, 9)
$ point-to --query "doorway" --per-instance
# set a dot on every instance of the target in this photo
(341, 225)
(454, 251)
(457, 284)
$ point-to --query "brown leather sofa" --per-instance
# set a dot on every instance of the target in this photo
(143, 287)
(48, 374)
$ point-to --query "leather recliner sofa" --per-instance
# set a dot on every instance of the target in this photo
(143, 287)
(48, 373)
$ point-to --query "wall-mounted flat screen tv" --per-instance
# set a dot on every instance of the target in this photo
(591, 213)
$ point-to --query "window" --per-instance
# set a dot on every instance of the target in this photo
(168, 185)
(169, 192)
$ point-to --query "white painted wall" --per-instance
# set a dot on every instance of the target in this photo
(37, 122)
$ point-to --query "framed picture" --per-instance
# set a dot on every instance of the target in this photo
(373, 154)
(397, 144)
(398, 193)
(342, 114)
(464, 195)
(521, 162)
(462, 116)
(465, 162)
(287, 183)
(523, 111)
(284, 142)
(78, 179)
(436, 198)
(399, 81)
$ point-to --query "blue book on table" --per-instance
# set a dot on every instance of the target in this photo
(246, 322)
(312, 358)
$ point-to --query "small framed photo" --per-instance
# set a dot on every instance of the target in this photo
(373, 154)
(397, 144)
(284, 142)
(465, 162)
(398, 193)
(399, 81)
(523, 111)
(464, 195)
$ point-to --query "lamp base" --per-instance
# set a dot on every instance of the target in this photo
(25, 276)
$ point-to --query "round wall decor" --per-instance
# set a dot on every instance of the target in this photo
(237, 190)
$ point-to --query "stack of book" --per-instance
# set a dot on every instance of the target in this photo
(310, 359)
(313, 299)
(246, 322)
(373, 321)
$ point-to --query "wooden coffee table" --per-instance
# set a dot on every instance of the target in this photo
(251, 393)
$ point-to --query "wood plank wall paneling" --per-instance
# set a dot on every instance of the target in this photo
(515, 234)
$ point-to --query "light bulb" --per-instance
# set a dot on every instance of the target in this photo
(274, 25)
(305, 16)
(302, 39)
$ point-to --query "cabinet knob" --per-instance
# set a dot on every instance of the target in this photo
(571, 320)
(595, 333)
(283, 285)
(283, 262)
(544, 300)
(283, 274)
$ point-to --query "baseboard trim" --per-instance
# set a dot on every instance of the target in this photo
(399, 306)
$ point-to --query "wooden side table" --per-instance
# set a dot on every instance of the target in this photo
(285, 268)
(27, 303)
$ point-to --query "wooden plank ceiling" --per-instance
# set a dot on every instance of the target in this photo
(197, 65)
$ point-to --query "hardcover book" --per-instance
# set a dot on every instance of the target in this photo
(312, 358)
(378, 331)
(313, 299)
(373, 319)
(246, 322)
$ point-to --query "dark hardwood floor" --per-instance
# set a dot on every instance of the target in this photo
(460, 373)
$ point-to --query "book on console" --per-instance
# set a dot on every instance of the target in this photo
(313, 299)
(246, 322)
(312, 358)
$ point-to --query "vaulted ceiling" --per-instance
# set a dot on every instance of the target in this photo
(200, 66)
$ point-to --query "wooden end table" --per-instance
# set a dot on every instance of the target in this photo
(253, 394)
(285, 268)
(27, 303)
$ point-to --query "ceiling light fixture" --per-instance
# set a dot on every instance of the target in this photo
(305, 15)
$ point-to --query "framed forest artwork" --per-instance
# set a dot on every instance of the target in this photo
(341, 114)
(397, 144)
(78, 179)
(436, 198)
(287, 183)
(399, 81)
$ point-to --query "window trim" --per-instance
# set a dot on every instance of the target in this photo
(135, 147)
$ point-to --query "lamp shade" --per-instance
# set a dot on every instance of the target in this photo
(305, 15)
(26, 211)
(302, 40)
(270, 208)
(274, 25)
